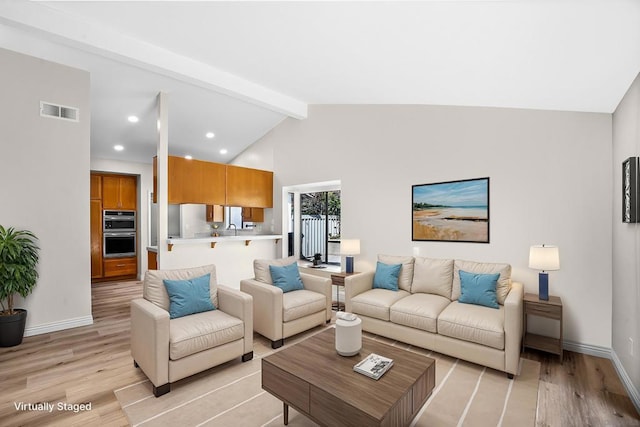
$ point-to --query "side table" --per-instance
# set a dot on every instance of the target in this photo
(337, 279)
(551, 309)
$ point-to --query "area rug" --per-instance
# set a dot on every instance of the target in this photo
(231, 395)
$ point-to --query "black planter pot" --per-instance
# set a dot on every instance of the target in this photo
(12, 328)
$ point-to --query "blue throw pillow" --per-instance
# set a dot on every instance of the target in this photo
(286, 278)
(386, 276)
(479, 289)
(189, 296)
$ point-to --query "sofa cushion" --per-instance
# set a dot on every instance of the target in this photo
(479, 289)
(188, 296)
(419, 311)
(386, 276)
(406, 271)
(474, 323)
(261, 267)
(504, 282)
(297, 304)
(197, 332)
(286, 277)
(432, 276)
(376, 302)
(154, 290)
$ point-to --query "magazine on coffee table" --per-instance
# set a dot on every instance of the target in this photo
(373, 366)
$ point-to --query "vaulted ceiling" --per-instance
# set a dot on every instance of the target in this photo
(239, 68)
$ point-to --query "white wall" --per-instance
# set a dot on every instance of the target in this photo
(551, 179)
(144, 172)
(44, 177)
(626, 242)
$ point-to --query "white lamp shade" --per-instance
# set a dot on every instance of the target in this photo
(544, 257)
(350, 246)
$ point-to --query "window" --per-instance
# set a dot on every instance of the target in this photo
(320, 226)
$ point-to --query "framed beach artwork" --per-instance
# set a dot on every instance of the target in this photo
(453, 211)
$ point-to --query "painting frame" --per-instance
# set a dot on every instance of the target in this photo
(630, 181)
(451, 211)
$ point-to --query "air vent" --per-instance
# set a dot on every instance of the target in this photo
(62, 112)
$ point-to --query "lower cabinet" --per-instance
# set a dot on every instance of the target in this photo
(152, 260)
(114, 267)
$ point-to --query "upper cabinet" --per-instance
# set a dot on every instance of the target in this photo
(193, 181)
(96, 187)
(249, 187)
(200, 182)
(119, 192)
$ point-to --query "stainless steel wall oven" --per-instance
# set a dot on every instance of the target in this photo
(119, 244)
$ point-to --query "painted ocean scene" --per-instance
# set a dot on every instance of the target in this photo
(452, 211)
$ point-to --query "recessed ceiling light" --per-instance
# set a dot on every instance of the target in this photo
(210, 135)
(223, 151)
(133, 119)
(118, 147)
(188, 157)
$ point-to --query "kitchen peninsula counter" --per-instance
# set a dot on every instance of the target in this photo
(246, 238)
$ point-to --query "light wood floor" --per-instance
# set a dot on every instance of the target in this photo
(85, 365)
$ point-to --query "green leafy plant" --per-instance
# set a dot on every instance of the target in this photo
(18, 262)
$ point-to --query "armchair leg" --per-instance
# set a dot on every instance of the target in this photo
(510, 376)
(247, 356)
(277, 343)
(160, 390)
(135, 364)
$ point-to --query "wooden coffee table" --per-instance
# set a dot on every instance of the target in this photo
(311, 377)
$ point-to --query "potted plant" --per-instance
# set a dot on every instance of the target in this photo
(18, 275)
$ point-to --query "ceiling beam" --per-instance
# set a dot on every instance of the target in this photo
(65, 29)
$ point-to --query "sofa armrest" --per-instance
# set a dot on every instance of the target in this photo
(356, 284)
(240, 305)
(267, 308)
(321, 285)
(150, 340)
(513, 312)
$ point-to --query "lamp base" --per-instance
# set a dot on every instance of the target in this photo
(349, 264)
(543, 286)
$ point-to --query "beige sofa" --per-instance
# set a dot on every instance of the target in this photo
(278, 315)
(168, 350)
(425, 311)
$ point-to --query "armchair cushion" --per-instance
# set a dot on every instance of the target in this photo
(155, 291)
(188, 296)
(261, 268)
(286, 277)
(202, 331)
(297, 304)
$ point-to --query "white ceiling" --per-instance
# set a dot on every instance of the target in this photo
(239, 68)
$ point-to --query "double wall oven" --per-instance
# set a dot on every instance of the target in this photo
(119, 233)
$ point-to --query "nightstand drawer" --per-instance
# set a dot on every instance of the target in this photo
(552, 312)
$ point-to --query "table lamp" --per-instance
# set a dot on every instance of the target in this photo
(544, 258)
(349, 247)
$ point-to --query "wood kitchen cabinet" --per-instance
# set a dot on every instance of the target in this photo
(215, 213)
(193, 181)
(253, 214)
(96, 238)
(115, 267)
(249, 187)
(119, 192)
(96, 187)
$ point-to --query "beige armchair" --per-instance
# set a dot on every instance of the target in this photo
(168, 350)
(278, 315)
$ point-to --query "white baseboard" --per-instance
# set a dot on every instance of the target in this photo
(634, 394)
(58, 326)
(592, 350)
